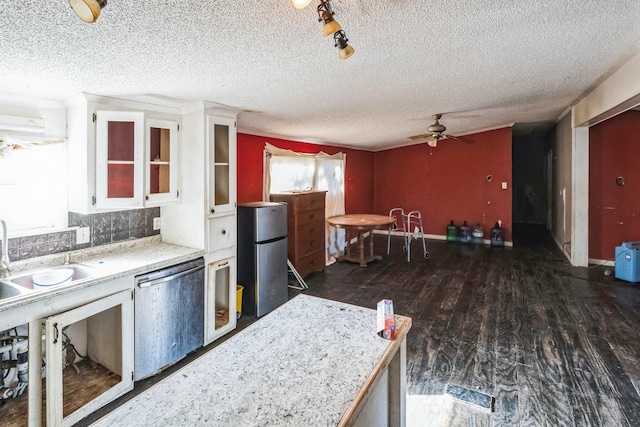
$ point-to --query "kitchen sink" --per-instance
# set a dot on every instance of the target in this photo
(9, 290)
(26, 280)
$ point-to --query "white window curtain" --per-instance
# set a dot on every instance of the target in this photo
(287, 171)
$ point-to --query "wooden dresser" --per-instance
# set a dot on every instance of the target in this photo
(305, 229)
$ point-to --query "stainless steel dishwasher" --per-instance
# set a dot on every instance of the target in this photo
(169, 316)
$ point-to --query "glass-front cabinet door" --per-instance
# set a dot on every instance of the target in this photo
(119, 157)
(161, 162)
(220, 305)
(89, 353)
(221, 164)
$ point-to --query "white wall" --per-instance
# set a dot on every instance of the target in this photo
(562, 184)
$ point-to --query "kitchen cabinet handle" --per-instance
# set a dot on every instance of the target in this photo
(223, 264)
(169, 278)
(57, 333)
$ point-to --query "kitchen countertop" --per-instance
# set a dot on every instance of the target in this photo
(128, 258)
(306, 363)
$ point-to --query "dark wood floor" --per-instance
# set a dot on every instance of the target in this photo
(555, 345)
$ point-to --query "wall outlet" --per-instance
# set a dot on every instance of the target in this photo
(156, 223)
(504, 185)
(83, 235)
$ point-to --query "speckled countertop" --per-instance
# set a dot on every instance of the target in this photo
(301, 365)
(109, 262)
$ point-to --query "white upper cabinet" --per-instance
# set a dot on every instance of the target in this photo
(221, 170)
(161, 162)
(119, 159)
(122, 154)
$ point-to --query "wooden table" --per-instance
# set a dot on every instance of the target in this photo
(361, 223)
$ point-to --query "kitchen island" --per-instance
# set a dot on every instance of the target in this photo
(312, 361)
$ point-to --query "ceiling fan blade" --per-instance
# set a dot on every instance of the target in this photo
(458, 139)
(419, 137)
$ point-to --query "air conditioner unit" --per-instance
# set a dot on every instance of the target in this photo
(29, 125)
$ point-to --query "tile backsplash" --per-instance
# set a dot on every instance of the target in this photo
(104, 228)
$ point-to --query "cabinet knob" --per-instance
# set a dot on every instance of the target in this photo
(224, 231)
(212, 210)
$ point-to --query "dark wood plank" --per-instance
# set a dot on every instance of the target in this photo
(554, 344)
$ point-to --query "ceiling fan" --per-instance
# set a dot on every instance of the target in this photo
(436, 133)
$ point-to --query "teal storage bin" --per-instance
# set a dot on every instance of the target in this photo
(628, 262)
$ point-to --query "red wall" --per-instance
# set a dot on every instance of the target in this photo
(444, 183)
(614, 211)
(358, 174)
(449, 182)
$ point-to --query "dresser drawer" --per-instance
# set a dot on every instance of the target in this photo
(309, 201)
(310, 263)
(309, 238)
(307, 217)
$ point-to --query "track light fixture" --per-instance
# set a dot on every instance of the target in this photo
(331, 26)
(326, 14)
(344, 49)
(88, 10)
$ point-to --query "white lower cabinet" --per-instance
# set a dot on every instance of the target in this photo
(103, 332)
(220, 294)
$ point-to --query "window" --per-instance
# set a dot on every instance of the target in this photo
(33, 188)
(286, 170)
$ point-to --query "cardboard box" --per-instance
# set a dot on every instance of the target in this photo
(386, 327)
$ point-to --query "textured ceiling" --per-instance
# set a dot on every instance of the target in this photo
(484, 63)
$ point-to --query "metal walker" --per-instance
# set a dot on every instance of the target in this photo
(411, 220)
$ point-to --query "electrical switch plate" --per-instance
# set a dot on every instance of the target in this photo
(82, 235)
(156, 223)
(504, 185)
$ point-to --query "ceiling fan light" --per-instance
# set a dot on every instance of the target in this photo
(433, 143)
(87, 10)
(331, 26)
(300, 4)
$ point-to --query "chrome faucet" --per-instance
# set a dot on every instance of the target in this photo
(5, 265)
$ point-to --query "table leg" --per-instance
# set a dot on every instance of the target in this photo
(371, 243)
(348, 244)
(363, 263)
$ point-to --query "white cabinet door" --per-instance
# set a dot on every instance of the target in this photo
(119, 159)
(104, 333)
(220, 293)
(161, 162)
(221, 159)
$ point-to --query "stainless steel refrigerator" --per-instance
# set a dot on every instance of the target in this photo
(262, 256)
